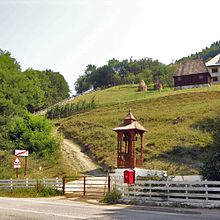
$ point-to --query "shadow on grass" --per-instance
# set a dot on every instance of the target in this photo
(194, 155)
(184, 155)
(96, 172)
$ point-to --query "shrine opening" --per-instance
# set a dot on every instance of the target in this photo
(130, 143)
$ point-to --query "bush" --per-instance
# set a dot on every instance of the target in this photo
(30, 192)
(211, 167)
(112, 197)
(34, 133)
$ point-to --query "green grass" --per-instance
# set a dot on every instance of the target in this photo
(30, 193)
(129, 93)
(55, 166)
(177, 148)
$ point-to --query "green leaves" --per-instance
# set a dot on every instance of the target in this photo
(21, 92)
(33, 133)
(124, 72)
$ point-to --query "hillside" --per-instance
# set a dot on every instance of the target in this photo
(206, 54)
(180, 125)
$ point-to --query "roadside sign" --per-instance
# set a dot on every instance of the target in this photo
(21, 153)
(17, 163)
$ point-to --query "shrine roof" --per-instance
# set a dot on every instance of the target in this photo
(130, 116)
(134, 125)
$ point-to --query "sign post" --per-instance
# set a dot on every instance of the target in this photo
(17, 164)
(23, 153)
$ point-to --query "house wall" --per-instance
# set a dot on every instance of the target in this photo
(194, 79)
(215, 75)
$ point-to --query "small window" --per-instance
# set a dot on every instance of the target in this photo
(215, 79)
(214, 70)
(200, 76)
(178, 79)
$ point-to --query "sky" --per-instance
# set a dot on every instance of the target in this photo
(67, 35)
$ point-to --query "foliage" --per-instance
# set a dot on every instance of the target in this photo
(51, 84)
(62, 111)
(211, 167)
(33, 133)
(31, 192)
(124, 72)
(20, 93)
(206, 53)
(112, 197)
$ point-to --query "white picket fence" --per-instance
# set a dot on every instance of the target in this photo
(175, 191)
(11, 184)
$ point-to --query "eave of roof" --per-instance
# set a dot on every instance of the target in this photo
(215, 61)
(134, 125)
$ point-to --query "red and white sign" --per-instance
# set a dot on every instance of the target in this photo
(17, 163)
(21, 153)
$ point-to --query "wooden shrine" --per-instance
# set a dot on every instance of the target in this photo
(130, 143)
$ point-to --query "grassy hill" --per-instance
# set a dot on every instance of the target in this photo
(181, 125)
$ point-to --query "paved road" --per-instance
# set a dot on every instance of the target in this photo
(61, 209)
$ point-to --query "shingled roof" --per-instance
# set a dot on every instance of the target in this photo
(191, 67)
(130, 123)
(134, 125)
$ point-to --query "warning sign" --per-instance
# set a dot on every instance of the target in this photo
(17, 163)
(21, 153)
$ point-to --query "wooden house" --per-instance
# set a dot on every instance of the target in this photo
(192, 74)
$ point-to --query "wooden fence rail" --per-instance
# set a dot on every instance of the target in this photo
(87, 185)
(195, 191)
(11, 184)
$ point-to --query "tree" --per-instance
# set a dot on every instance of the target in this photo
(53, 85)
(33, 133)
(82, 84)
(35, 95)
(146, 75)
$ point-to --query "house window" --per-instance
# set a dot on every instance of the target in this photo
(214, 70)
(215, 79)
(178, 79)
(200, 76)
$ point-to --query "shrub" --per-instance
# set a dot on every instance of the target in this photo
(34, 133)
(211, 167)
(112, 197)
(30, 192)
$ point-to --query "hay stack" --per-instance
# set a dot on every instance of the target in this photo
(142, 86)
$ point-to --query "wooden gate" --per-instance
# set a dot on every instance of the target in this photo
(90, 186)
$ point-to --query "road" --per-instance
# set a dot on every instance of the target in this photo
(63, 209)
(78, 160)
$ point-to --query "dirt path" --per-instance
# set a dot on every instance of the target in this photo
(78, 160)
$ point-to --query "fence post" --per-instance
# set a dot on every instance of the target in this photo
(27, 182)
(57, 183)
(186, 192)
(150, 190)
(84, 186)
(206, 191)
(64, 183)
(44, 182)
(109, 183)
(168, 191)
(11, 183)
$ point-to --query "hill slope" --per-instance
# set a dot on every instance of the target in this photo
(180, 125)
(206, 54)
